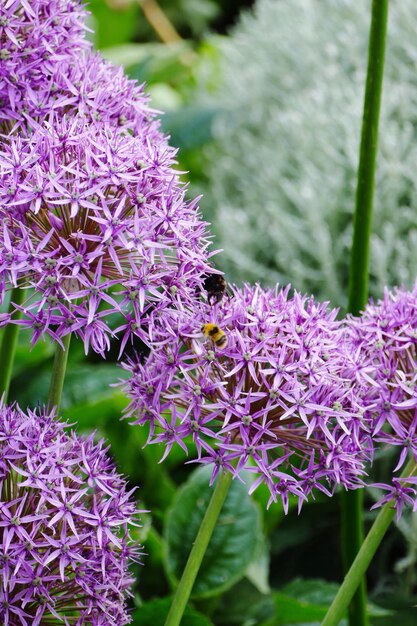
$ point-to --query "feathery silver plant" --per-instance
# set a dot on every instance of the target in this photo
(282, 169)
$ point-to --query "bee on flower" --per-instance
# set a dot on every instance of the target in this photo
(279, 401)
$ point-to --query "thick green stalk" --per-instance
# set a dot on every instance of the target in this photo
(365, 555)
(8, 346)
(58, 373)
(359, 265)
(352, 536)
(352, 522)
(198, 550)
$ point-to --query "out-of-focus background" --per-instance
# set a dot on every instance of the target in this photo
(264, 102)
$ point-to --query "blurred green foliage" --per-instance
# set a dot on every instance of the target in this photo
(118, 21)
(280, 172)
(268, 117)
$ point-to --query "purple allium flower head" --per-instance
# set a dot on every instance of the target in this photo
(38, 39)
(384, 339)
(64, 526)
(279, 398)
(46, 64)
(96, 90)
(93, 218)
(94, 222)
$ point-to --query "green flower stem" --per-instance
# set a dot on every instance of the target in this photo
(352, 518)
(365, 555)
(359, 265)
(198, 550)
(352, 536)
(58, 373)
(8, 346)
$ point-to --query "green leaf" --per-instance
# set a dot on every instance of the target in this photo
(399, 607)
(244, 605)
(314, 591)
(83, 385)
(234, 540)
(322, 592)
(258, 570)
(31, 385)
(26, 358)
(153, 62)
(306, 602)
(156, 611)
(293, 611)
(149, 576)
(302, 602)
(191, 126)
(113, 26)
(405, 618)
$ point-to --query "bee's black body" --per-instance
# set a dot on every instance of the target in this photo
(215, 285)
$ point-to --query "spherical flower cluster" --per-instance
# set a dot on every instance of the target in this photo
(279, 398)
(37, 40)
(64, 526)
(94, 222)
(100, 92)
(384, 339)
(46, 64)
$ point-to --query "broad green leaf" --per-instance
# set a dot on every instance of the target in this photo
(398, 618)
(306, 602)
(26, 358)
(191, 126)
(113, 26)
(101, 413)
(234, 541)
(311, 591)
(290, 610)
(155, 612)
(31, 385)
(258, 570)
(318, 591)
(397, 599)
(243, 605)
(153, 62)
(83, 384)
(405, 616)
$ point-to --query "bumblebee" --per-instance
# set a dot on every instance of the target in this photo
(216, 334)
(215, 285)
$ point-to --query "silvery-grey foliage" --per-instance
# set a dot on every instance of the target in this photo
(282, 169)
